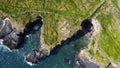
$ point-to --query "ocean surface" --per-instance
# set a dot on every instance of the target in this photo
(63, 59)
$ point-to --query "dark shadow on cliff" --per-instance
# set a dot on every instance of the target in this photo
(30, 28)
(86, 27)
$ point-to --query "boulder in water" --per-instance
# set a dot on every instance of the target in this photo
(35, 55)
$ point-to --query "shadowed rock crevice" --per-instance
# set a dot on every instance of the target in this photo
(87, 27)
(30, 28)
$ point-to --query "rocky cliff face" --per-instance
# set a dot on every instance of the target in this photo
(82, 60)
(36, 55)
(9, 34)
(13, 38)
(5, 27)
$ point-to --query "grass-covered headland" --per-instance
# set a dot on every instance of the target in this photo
(62, 18)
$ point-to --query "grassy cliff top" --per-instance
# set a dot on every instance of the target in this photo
(62, 18)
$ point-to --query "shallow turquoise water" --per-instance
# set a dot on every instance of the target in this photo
(15, 59)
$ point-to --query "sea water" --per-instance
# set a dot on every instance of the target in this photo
(15, 59)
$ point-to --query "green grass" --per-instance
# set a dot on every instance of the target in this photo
(115, 2)
(52, 12)
(110, 38)
(107, 41)
(56, 12)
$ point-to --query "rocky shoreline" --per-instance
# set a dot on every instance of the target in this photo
(82, 60)
(36, 55)
(8, 33)
(14, 38)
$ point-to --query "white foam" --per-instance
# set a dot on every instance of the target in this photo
(36, 27)
(6, 19)
(1, 41)
(27, 36)
(69, 61)
(4, 47)
(29, 63)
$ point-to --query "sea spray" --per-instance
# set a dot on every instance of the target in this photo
(29, 63)
(5, 48)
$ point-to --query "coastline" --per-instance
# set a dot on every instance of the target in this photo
(82, 56)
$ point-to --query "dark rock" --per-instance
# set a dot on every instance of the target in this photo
(82, 61)
(8, 33)
(5, 27)
(35, 55)
(87, 25)
(11, 40)
(111, 65)
(32, 57)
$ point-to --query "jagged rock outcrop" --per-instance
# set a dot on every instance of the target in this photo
(36, 55)
(13, 38)
(8, 33)
(5, 27)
